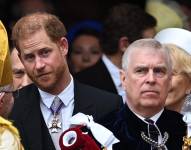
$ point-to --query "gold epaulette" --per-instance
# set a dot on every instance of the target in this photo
(7, 124)
(9, 136)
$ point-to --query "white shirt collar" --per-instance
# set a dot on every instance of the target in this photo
(115, 75)
(66, 95)
(113, 70)
(154, 118)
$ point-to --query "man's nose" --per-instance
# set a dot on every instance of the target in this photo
(39, 63)
(151, 77)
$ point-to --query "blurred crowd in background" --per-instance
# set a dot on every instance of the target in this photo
(98, 35)
(71, 11)
(89, 15)
(84, 21)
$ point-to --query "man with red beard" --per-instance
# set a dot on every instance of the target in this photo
(42, 47)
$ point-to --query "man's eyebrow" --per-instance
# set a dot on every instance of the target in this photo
(161, 67)
(17, 68)
(44, 48)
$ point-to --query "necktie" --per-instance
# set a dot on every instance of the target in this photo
(152, 131)
(55, 125)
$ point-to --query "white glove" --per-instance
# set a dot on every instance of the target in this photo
(104, 136)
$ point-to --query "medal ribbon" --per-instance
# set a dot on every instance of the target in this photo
(55, 109)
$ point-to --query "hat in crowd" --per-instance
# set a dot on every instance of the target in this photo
(87, 24)
(5, 62)
(168, 13)
(177, 36)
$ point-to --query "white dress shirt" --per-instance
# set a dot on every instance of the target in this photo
(115, 75)
(154, 118)
(66, 96)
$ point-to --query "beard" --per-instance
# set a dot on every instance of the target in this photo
(50, 81)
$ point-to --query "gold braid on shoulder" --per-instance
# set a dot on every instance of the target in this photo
(9, 136)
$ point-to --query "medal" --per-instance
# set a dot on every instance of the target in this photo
(55, 125)
(159, 146)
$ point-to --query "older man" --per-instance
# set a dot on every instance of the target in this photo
(20, 77)
(144, 123)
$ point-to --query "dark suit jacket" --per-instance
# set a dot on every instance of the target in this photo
(27, 116)
(128, 129)
(97, 76)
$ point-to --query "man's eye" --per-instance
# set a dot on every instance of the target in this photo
(141, 70)
(18, 73)
(29, 57)
(45, 53)
(160, 71)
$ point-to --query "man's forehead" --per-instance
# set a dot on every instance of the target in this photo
(147, 56)
(149, 61)
(159, 65)
(146, 50)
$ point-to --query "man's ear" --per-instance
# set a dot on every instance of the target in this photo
(63, 45)
(123, 78)
(123, 43)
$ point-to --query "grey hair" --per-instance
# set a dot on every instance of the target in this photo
(146, 43)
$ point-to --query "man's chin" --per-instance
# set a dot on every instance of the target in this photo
(151, 104)
(45, 86)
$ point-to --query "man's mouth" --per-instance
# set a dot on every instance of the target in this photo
(150, 92)
(42, 75)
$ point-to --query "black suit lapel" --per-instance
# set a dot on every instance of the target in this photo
(35, 128)
(32, 121)
(47, 140)
(81, 103)
(128, 128)
(97, 76)
(172, 123)
(131, 124)
(107, 82)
